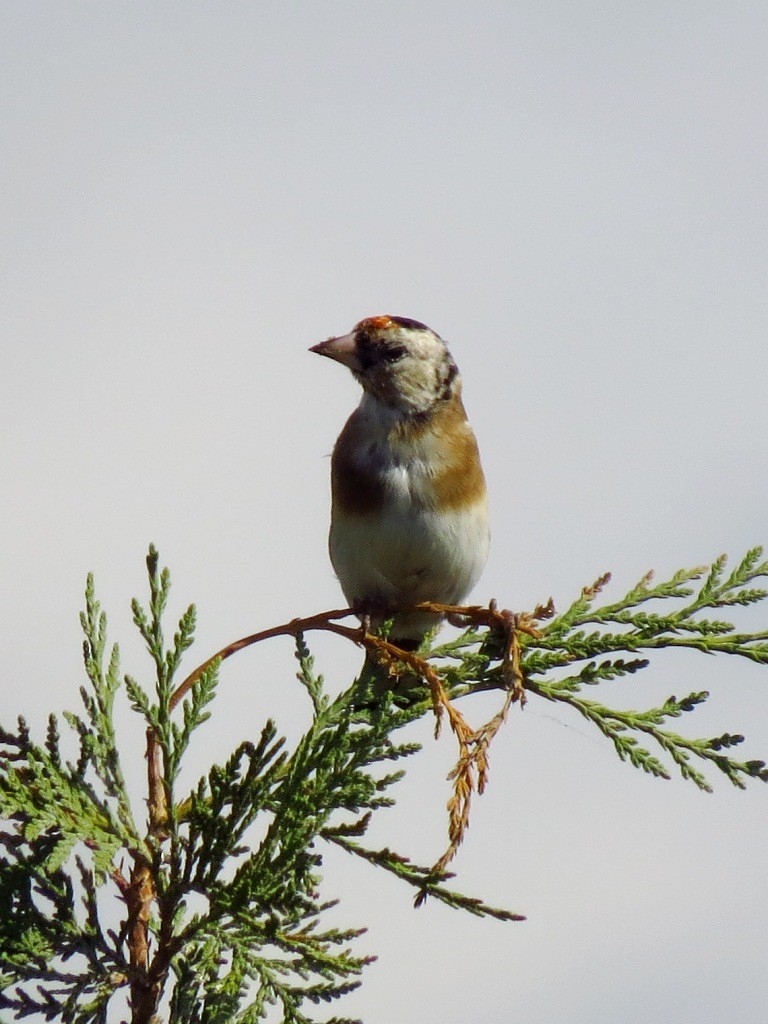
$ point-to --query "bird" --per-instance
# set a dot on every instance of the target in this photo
(409, 503)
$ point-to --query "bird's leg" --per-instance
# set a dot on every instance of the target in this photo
(458, 621)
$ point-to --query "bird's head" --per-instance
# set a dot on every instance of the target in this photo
(400, 362)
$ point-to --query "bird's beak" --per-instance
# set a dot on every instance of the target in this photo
(343, 350)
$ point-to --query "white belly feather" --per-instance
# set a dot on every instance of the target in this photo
(405, 553)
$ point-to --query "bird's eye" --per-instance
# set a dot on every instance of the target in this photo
(391, 355)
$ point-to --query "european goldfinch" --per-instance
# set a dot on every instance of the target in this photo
(409, 508)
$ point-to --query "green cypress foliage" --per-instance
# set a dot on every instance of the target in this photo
(222, 919)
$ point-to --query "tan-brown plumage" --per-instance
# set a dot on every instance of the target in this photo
(443, 437)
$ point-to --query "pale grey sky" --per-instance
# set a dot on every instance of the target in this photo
(574, 195)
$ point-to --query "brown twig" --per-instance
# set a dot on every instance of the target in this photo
(325, 621)
(157, 798)
(322, 621)
(139, 893)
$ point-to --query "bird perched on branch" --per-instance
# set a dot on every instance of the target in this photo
(409, 513)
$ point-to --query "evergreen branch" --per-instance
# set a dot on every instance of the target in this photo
(225, 805)
(615, 725)
(221, 896)
(45, 797)
(425, 880)
(98, 740)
